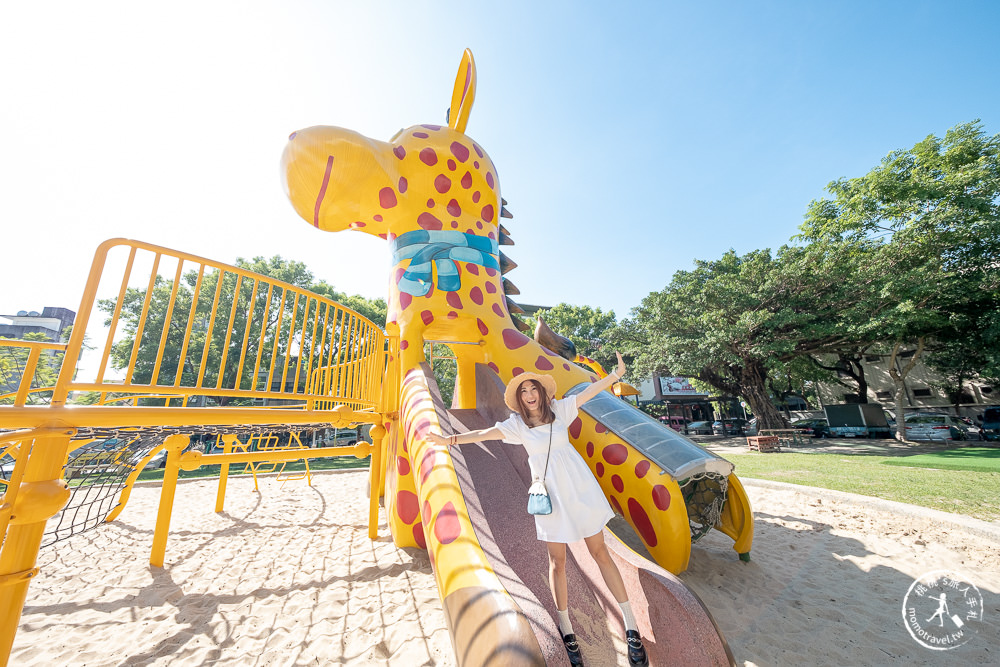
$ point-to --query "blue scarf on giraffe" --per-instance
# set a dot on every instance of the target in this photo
(444, 248)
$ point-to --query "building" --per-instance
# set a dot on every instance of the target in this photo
(51, 322)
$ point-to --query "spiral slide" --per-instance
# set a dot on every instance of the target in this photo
(492, 571)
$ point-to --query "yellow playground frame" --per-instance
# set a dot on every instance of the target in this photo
(302, 360)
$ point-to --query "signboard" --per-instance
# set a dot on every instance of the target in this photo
(679, 387)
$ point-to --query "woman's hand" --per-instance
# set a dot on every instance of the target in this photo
(437, 439)
(620, 369)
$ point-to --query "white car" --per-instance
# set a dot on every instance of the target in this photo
(934, 427)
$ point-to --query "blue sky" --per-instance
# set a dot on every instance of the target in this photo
(630, 139)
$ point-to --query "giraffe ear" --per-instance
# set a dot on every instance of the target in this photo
(464, 93)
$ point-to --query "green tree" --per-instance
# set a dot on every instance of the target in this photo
(13, 361)
(929, 220)
(589, 328)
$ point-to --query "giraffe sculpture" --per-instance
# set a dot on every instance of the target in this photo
(433, 193)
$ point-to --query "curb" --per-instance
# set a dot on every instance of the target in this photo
(978, 527)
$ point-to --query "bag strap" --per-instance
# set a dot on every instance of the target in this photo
(546, 471)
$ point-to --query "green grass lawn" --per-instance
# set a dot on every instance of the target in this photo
(966, 492)
(975, 459)
(330, 463)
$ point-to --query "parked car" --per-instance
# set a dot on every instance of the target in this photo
(991, 424)
(676, 423)
(734, 426)
(972, 430)
(932, 426)
(813, 428)
(158, 461)
(699, 428)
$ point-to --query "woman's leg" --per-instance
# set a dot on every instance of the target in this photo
(612, 577)
(557, 574)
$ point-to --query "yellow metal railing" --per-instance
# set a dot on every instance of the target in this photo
(183, 342)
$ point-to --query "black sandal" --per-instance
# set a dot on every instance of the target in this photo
(573, 650)
(636, 651)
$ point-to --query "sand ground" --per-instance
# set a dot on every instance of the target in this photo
(289, 577)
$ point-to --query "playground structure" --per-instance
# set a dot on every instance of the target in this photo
(203, 347)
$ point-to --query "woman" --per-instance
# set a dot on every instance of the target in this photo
(579, 508)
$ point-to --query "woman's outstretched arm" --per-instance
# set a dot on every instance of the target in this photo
(492, 433)
(597, 387)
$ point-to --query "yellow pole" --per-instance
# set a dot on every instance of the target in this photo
(40, 495)
(175, 445)
(227, 447)
(377, 433)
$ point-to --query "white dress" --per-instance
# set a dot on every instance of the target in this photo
(579, 508)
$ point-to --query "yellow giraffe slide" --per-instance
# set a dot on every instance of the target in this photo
(433, 193)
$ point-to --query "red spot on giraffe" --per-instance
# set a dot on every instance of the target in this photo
(513, 339)
(427, 464)
(641, 468)
(476, 295)
(600, 469)
(489, 179)
(618, 508)
(543, 364)
(406, 506)
(403, 344)
(492, 273)
(429, 157)
(566, 366)
(590, 450)
(475, 197)
(425, 512)
(376, 218)
(404, 299)
(421, 135)
(479, 151)
(399, 152)
(459, 151)
(452, 315)
(386, 198)
(476, 164)
(402, 185)
(479, 225)
(491, 288)
(517, 370)
(600, 428)
(472, 268)
(617, 482)
(661, 497)
(576, 428)
(446, 526)
(498, 310)
(418, 535)
(454, 300)
(430, 203)
(402, 466)
(641, 522)
(454, 209)
(451, 165)
(496, 369)
(442, 183)
(427, 316)
(428, 221)
(466, 181)
(483, 329)
(454, 225)
(487, 213)
(435, 128)
(384, 237)
(615, 453)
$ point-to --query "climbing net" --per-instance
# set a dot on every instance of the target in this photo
(705, 497)
(98, 470)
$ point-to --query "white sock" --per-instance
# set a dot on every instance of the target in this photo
(565, 626)
(627, 616)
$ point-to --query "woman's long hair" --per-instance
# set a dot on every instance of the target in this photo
(543, 398)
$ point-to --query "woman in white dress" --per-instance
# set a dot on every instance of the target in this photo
(579, 508)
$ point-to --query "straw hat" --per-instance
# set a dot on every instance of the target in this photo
(510, 393)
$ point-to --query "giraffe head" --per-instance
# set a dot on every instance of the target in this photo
(428, 177)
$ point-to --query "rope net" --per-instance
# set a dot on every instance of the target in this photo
(705, 497)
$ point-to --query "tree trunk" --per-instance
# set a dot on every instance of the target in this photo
(898, 378)
(753, 387)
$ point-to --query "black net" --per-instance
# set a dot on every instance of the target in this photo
(705, 497)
